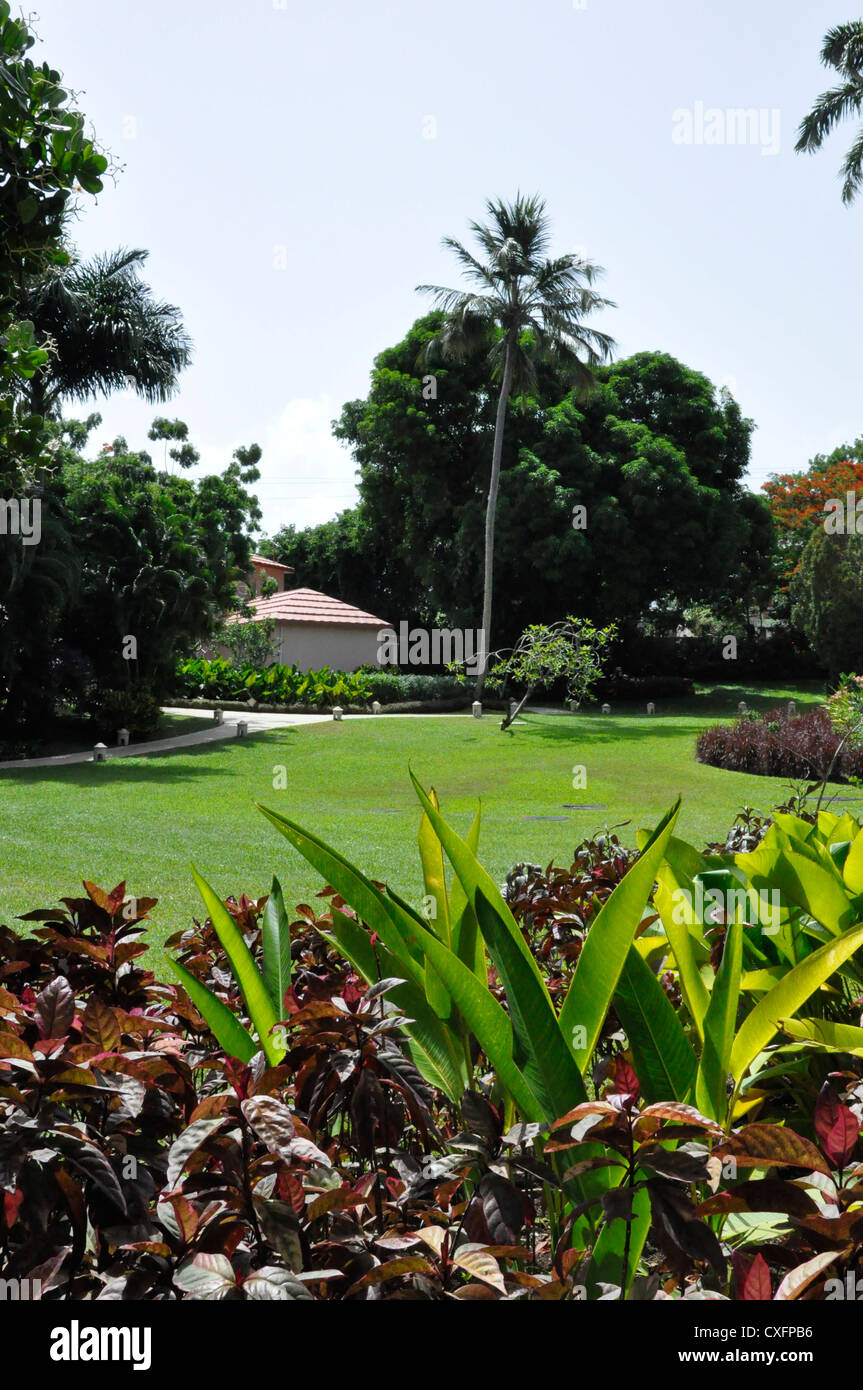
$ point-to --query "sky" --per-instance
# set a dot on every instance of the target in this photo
(292, 167)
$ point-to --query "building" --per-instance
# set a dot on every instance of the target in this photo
(263, 568)
(313, 630)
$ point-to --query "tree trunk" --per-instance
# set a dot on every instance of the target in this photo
(37, 394)
(511, 717)
(490, 512)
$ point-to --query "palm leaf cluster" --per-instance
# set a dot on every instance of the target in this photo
(521, 298)
(105, 330)
(841, 50)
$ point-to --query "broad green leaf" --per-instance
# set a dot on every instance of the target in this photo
(434, 879)
(223, 1023)
(258, 1002)
(846, 828)
(473, 876)
(540, 1049)
(607, 1260)
(458, 899)
(678, 919)
(794, 826)
(664, 1061)
(440, 1058)
(606, 947)
(811, 886)
(381, 913)
(434, 873)
(684, 859)
(826, 823)
(276, 943)
(835, 1037)
(720, 1023)
(488, 1022)
(467, 939)
(759, 981)
(467, 942)
(547, 1062)
(777, 838)
(852, 870)
(785, 998)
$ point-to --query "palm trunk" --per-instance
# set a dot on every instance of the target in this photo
(490, 512)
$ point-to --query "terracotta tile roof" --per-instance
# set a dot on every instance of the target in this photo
(273, 564)
(309, 606)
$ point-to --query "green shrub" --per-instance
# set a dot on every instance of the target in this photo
(135, 709)
(391, 687)
(218, 679)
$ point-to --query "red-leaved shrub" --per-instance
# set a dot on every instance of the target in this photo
(777, 744)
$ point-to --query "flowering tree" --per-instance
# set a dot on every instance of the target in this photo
(798, 501)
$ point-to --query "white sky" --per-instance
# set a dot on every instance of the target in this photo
(245, 126)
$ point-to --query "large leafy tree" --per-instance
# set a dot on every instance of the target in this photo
(45, 158)
(655, 455)
(160, 556)
(523, 308)
(107, 331)
(841, 50)
(128, 551)
(827, 598)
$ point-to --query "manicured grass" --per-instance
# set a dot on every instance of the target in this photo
(145, 819)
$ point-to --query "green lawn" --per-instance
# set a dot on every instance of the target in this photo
(145, 819)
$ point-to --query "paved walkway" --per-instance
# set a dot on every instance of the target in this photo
(208, 733)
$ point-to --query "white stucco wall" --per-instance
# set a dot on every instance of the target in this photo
(312, 645)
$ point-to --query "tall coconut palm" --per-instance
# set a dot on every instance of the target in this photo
(842, 49)
(525, 309)
(106, 332)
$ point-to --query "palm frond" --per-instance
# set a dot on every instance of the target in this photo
(829, 109)
(852, 171)
(107, 331)
(843, 47)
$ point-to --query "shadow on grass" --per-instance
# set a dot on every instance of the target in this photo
(604, 729)
(168, 766)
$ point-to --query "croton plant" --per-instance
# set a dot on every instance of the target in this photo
(637, 1077)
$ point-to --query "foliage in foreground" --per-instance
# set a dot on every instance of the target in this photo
(314, 1154)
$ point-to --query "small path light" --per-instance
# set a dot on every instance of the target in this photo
(376, 706)
(606, 709)
(123, 738)
(100, 753)
(651, 707)
(741, 708)
(218, 716)
(338, 712)
(242, 728)
(476, 709)
(792, 706)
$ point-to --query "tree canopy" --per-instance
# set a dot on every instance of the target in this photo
(655, 457)
(135, 567)
(827, 598)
